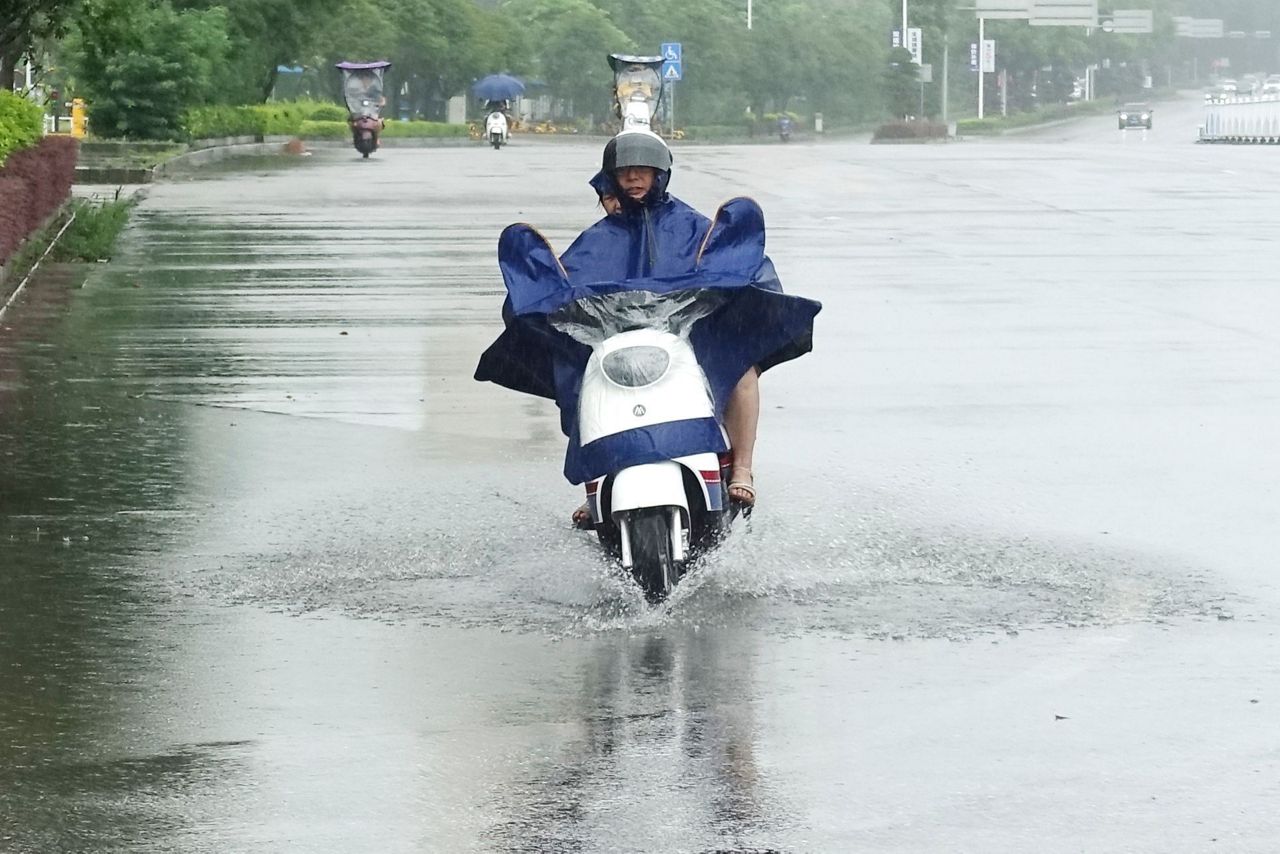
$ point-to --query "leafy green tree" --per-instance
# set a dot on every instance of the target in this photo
(140, 64)
(819, 55)
(265, 34)
(359, 31)
(573, 39)
(22, 24)
(439, 45)
(901, 83)
(714, 36)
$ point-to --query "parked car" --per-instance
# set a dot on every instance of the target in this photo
(1135, 116)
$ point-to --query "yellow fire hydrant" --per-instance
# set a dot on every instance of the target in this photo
(79, 118)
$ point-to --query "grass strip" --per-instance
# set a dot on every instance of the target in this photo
(93, 235)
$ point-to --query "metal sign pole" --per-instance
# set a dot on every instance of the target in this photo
(982, 62)
(946, 80)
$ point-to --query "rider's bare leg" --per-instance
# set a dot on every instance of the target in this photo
(741, 417)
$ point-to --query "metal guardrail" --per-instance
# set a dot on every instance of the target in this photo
(36, 266)
(1241, 120)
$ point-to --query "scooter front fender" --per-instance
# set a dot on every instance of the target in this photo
(649, 485)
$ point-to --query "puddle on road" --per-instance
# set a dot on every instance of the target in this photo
(404, 524)
(874, 579)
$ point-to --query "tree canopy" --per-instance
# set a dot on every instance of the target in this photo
(804, 56)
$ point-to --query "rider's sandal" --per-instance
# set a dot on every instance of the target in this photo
(746, 497)
(582, 518)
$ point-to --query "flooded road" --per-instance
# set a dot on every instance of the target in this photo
(279, 576)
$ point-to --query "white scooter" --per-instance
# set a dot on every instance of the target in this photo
(495, 129)
(643, 390)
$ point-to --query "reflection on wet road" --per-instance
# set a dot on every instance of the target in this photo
(278, 575)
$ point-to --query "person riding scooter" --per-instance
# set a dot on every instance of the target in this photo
(657, 235)
(495, 128)
(785, 127)
(362, 90)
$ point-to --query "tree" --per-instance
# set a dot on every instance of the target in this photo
(901, 83)
(142, 64)
(574, 37)
(22, 24)
(265, 34)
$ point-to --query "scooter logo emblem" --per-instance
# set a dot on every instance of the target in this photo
(639, 411)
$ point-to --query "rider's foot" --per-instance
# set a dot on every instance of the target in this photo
(742, 490)
(582, 518)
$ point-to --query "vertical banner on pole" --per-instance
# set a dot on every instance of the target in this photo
(915, 44)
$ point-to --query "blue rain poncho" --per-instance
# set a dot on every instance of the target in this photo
(660, 247)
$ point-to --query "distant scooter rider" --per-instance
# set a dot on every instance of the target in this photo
(496, 122)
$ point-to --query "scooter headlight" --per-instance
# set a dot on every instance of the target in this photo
(635, 367)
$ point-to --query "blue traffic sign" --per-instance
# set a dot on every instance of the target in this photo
(672, 71)
(672, 52)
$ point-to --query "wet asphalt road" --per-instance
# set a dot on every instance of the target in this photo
(279, 576)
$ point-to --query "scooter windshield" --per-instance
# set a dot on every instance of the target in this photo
(591, 320)
(362, 90)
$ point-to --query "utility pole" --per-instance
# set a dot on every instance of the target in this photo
(946, 80)
(982, 62)
(749, 13)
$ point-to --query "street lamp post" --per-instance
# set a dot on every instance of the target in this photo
(982, 63)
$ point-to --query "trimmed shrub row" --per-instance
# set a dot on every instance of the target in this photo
(1054, 112)
(910, 130)
(34, 182)
(277, 119)
(393, 130)
(717, 131)
(20, 124)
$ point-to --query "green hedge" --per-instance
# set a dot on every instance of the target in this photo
(716, 132)
(283, 118)
(21, 124)
(213, 122)
(393, 130)
(910, 130)
(419, 130)
(1052, 113)
(311, 119)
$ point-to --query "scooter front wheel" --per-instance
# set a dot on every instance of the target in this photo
(653, 563)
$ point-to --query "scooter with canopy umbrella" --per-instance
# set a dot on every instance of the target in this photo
(362, 90)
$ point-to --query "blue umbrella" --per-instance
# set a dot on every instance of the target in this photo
(497, 87)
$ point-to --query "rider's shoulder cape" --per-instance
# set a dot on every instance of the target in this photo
(662, 238)
(757, 324)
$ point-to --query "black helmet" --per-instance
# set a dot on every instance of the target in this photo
(636, 148)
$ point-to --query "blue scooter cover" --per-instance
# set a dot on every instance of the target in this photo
(757, 325)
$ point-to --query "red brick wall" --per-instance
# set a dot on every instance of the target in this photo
(34, 182)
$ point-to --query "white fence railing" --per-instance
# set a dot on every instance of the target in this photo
(1242, 121)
